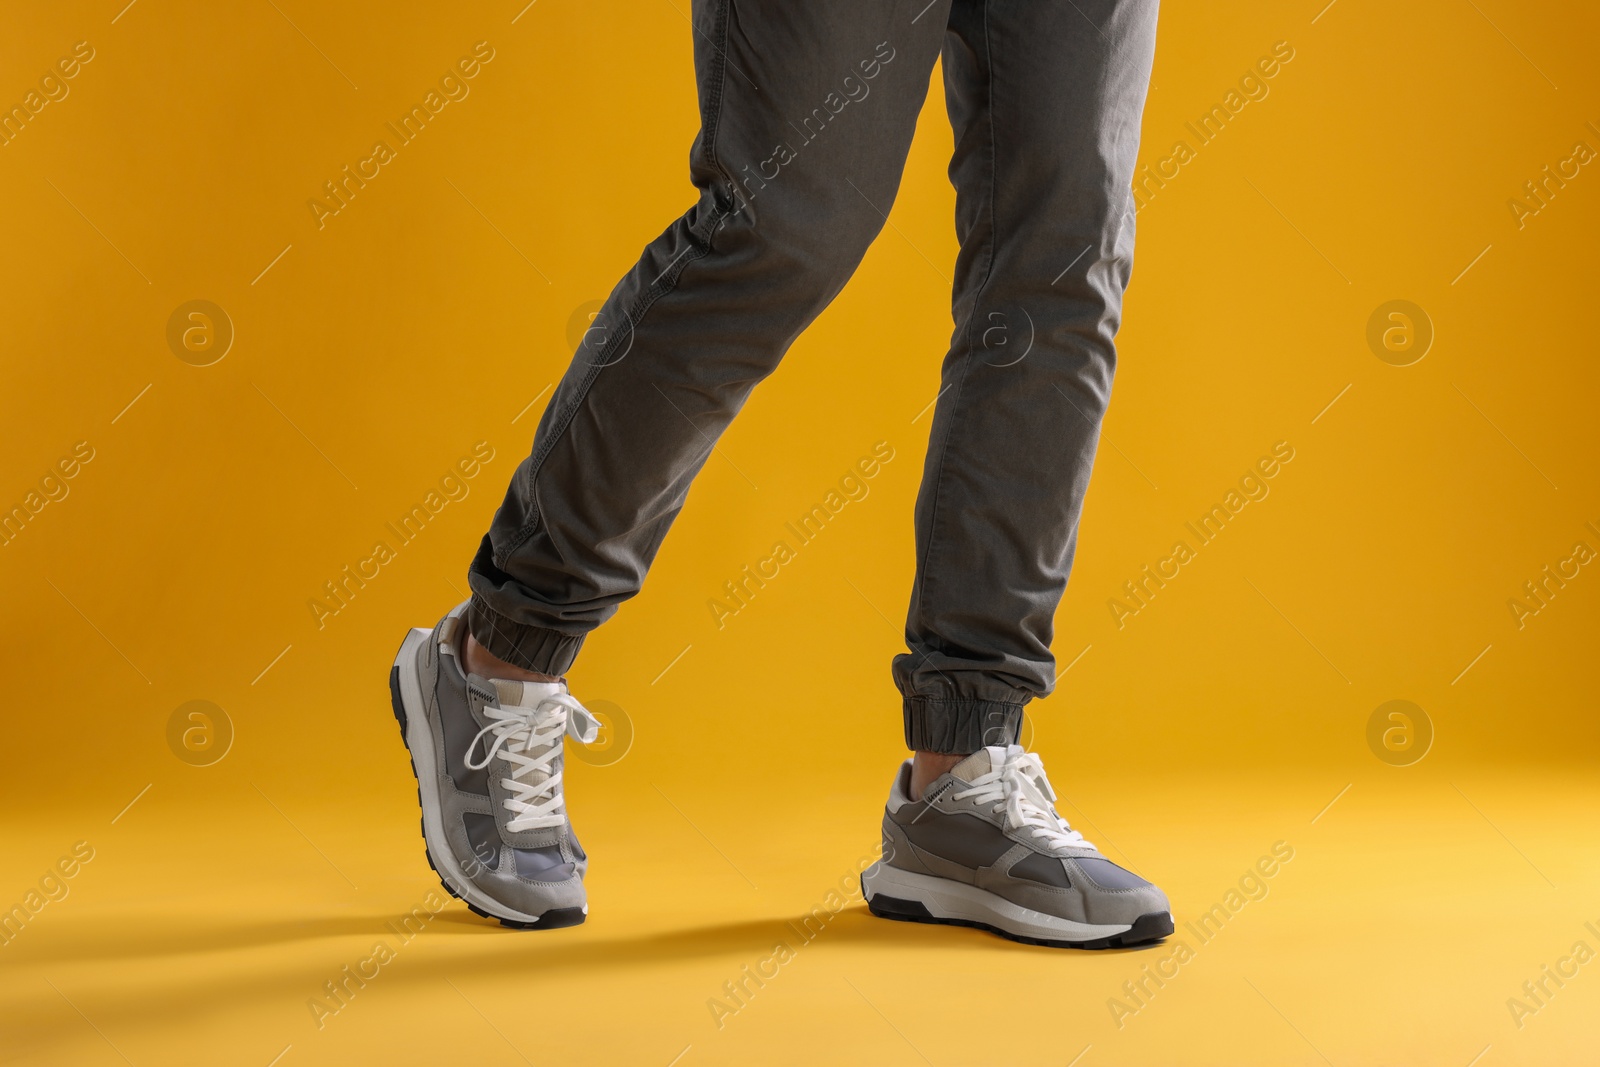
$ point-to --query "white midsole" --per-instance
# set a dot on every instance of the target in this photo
(946, 899)
(424, 759)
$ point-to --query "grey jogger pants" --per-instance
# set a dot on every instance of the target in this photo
(807, 111)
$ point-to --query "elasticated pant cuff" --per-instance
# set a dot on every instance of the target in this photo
(533, 648)
(960, 727)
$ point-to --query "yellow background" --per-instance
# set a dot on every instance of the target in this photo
(436, 309)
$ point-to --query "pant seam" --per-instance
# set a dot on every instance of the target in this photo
(988, 274)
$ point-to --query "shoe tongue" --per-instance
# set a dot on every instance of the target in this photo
(529, 695)
(985, 760)
(979, 763)
(515, 694)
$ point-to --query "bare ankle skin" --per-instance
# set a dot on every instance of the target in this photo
(478, 660)
(926, 766)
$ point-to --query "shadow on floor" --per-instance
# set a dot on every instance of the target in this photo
(465, 948)
(586, 947)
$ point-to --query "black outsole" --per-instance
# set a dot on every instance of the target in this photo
(1145, 929)
(554, 919)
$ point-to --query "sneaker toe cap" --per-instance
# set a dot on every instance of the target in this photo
(530, 897)
(1113, 894)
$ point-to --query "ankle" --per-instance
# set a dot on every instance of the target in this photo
(480, 661)
(928, 766)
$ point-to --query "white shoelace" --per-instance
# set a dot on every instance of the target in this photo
(518, 731)
(1005, 786)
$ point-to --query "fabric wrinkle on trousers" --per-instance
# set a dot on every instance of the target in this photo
(807, 114)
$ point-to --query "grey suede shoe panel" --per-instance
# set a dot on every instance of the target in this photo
(524, 894)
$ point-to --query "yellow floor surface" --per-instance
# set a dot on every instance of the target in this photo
(1416, 904)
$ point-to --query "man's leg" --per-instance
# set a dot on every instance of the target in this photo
(807, 111)
(807, 114)
(1046, 100)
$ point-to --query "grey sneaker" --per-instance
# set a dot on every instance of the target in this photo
(487, 754)
(985, 847)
